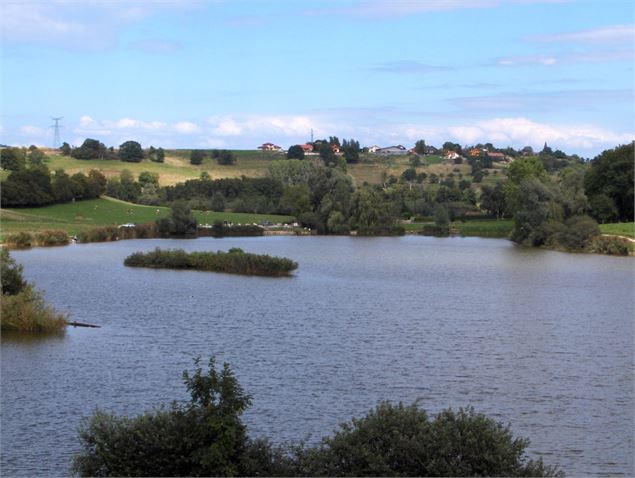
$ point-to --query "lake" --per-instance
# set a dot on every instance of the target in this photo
(539, 339)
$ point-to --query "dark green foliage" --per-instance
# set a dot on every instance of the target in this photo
(399, 440)
(36, 157)
(90, 149)
(223, 156)
(181, 221)
(28, 187)
(197, 156)
(160, 157)
(295, 152)
(602, 207)
(350, 149)
(124, 187)
(494, 200)
(372, 214)
(420, 147)
(611, 174)
(65, 149)
(233, 262)
(12, 159)
(10, 274)
(204, 437)
(441, 217)
(236, 230)
(577, 233)
(532, 210)
(131, 152)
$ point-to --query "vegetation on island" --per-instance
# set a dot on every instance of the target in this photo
(206, 437)
(23, 309)
(235, 261)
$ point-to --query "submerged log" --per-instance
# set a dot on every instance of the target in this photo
(81, 324)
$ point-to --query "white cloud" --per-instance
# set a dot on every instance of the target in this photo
(33, 131)
(609, 34)
(522, 131)
(381, 9)
(91, 25)
(528, 60)
(186, 127)
(288, 126)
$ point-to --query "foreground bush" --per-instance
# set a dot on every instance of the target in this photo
(19, 240)
(206, 437)
(99, 234)
(611, 245)
(27, 312)
(235, 261)
(22, 308)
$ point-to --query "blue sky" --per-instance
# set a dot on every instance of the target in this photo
(238, 73)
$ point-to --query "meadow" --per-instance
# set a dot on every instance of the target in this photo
(84, 215)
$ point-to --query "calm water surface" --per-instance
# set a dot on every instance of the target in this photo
(542, 340)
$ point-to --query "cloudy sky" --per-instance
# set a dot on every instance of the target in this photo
(237, 73)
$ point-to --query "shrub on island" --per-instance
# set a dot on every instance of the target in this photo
(235, 261)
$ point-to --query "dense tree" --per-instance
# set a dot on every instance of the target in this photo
(27, 187)
(160, 155)
(148, 177)
(611, 174)
(10, 274)
(420, 147)
(204, 437)
(36, 156)
(124, 187)
(295, 152)
(197, 156)
(90, 149)
(327, 155)
(223, 156)
(12, 159)
(131, 152)
(181, 221)
(494, 200)
(65, 149)
(350, 150)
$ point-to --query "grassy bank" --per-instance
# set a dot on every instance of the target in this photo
(236, 261)
(626, 229)
(477, 227)
(84, 215)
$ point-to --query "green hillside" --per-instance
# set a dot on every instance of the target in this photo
(83, 215)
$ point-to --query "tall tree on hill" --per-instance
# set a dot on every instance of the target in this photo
(131, 152)
(611, 174)
(197, 156)
(420, 147)
(295, 152)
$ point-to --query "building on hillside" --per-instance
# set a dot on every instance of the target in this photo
(451, 155)
(307, 148)
(335, 148)
(476, 152)
(373, 148)
(269, 147)
(392, 150)
(431, 150)
(496, 156)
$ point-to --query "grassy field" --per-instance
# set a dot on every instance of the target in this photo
(251, 163)
(620, 229)
(84, 215)
(477, 227)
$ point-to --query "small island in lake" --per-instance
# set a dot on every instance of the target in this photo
(235, 261)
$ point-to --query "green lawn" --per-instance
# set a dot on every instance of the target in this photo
(476, 227)
(83, 215)
(619, 228)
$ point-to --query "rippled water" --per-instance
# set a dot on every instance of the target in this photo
(542, 340)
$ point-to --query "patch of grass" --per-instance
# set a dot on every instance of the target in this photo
(27, 312)
(484, 227)
(476, 227)
(619, 229)
(84, 215)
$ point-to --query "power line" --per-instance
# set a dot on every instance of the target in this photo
(56, 131)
